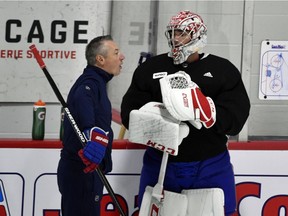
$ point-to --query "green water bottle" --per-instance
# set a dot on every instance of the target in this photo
(38, 127)
(61, 124)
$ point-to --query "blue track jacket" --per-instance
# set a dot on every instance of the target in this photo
(89, 105)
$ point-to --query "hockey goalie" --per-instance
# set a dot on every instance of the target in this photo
(197, 91)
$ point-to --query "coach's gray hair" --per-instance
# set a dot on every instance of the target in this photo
(95, 47)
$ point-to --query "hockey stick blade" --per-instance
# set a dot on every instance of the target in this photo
(155, 207)
(73, 123)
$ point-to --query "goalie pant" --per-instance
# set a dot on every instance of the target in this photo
(191, 175)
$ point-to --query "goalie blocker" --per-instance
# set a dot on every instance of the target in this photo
(152, 125)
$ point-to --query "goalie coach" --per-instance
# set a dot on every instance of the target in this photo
(212, 101)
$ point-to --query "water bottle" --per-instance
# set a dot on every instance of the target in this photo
(39, 113)
(61, 124)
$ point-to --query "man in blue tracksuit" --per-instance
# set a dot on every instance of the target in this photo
(80, 186)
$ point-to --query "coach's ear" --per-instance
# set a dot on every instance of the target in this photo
(100, 60)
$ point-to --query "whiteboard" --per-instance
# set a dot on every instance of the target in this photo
(60, 31)
(273, 81)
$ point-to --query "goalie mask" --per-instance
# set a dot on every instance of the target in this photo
(186, 34)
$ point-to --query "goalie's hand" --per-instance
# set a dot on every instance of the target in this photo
(94, 151)
(185, 101)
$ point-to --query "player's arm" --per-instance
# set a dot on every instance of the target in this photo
(85, 101)
(232, 104)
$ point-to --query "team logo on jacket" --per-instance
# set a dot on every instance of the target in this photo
(159, 75)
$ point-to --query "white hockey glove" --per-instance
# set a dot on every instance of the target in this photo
(152, 125)
(185, 101)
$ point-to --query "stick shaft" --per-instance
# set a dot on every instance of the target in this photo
(156, 201)
(80, 135)
(163, 168)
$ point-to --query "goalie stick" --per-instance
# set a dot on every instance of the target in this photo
(158, 192)
(153, 198)
(73, 123)
(153, 126)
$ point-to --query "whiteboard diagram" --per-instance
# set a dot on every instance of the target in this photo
(273, 82)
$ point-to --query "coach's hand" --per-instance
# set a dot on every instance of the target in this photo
(94, 151)
(90, 167)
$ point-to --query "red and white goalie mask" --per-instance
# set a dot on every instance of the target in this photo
(186, 34)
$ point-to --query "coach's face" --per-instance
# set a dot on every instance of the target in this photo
(113, 60)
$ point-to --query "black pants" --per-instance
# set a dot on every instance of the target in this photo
(80, 193)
